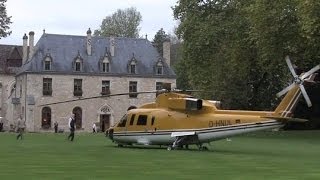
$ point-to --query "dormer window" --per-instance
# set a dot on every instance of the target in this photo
(159, 68)
(105, 65)
(132, 65)
(132, 68)
(78, 63)
(105, 62)
(47, 63)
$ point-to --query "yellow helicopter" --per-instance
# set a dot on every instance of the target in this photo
(176, 119)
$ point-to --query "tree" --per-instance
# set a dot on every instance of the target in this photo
(236, 48)
(5, 20)
(159, 39)
(123, 23)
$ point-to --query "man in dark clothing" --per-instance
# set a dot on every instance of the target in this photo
(55, 127)
(71, 127)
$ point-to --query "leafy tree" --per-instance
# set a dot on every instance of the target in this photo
(5, 20)
(237, 47)
(123, 23)
(159, 39)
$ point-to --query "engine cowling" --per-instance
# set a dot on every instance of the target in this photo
(189, 104)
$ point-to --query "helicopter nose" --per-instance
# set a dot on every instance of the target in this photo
(109, 133)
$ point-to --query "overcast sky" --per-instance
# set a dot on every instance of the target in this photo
(74, 17)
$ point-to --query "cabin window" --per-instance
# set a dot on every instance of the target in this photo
(132, 119)
(123, 121)
(142, 120)
(152, 120)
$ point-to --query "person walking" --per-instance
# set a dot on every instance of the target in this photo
(55, 127)
(71, 127)
(20, 127)
(94, 128)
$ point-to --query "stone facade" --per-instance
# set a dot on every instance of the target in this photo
(64, 51)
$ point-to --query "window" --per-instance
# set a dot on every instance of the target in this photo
(132, 68)
(77, 65)
(123, 121)
(142, 120)
(132, 119)
(105, 88)
(152, 120)
(159, 85)
(47, 87)
(47, 65)
(133, 89)
(105, 67)
(47, 62)
(46, 118)
(159, 68)
(77, 90)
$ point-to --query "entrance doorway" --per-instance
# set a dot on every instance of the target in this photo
(104, 122)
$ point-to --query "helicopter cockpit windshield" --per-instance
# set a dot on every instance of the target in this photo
(123, 120)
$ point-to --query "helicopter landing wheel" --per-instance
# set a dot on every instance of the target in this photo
(204, 148)
(120, 145)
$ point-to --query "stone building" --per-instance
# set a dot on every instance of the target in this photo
(10, 62)
(72, 68)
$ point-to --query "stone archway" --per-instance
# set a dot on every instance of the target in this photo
(77, 111)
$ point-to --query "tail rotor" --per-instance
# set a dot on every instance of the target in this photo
(299, 80)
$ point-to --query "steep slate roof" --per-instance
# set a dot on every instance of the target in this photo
(65, 48)
(9, 52)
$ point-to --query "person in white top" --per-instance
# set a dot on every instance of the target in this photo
(94, 128)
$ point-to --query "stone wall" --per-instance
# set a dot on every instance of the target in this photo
(62, 90)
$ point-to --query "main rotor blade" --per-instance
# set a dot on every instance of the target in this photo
(311, 71)
(285, 90)
(95, 97)
(305, 95)
(290, 67)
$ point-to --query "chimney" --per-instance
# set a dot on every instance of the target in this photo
(112, 46)
(31, 44)
(89, 42)
(166, 51)
(25, 49)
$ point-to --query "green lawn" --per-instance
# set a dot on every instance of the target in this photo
(263, 155)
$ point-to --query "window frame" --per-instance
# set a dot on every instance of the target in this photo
(105, 87)
(77, 87)
(142, 120)
(47, 86)
(133, 89)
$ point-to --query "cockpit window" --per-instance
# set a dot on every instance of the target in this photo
(142, 120)
(132, 119)
(123, 121)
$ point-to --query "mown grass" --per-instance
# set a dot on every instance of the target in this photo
(263, 155)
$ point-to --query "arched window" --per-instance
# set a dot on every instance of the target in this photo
(105, 65)
(47, 63)
(159, 68)
(77, 111)
(132, 65)
(78, 63)
(46, 118)
(132, 68)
